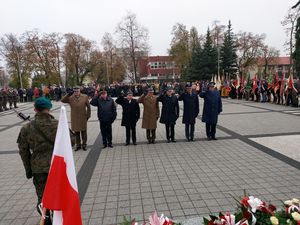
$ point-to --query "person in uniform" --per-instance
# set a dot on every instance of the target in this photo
(80, 114)
(131, 114)
(107, 114)
(5, 98)
(190, 111)
(169, 112)
(211, 109)
(12, 98)
(36, 143)
(150, 114)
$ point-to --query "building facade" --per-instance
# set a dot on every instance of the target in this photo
(160, 68)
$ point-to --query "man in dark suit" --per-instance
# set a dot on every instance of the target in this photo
(106, 114)
(211, 109)
(131, 114)
(190, 111)
(169, 112)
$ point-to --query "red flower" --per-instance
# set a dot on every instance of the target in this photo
(245, 201)
(247, 215)
(272, 208)
(211, 222)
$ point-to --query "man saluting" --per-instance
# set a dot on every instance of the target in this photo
(131, 114)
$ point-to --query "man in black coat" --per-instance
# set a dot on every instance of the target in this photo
(169, 112)
(211, 109)
(131, 114)
(190, 111)
(106, 114)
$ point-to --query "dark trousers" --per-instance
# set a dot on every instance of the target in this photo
(133, 132)
(189, 131)
(81, 140)
(211, 130)
(170, 129)
(151, 134)
(106, 132)
(39, 182)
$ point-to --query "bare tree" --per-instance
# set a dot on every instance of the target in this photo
(269, 56)
(289, 22)
(249, 49)
(17, 59)
(180, 47)
(115, 66)
(133, 39)
(45, 51)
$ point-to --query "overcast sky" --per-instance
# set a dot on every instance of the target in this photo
(92, 18)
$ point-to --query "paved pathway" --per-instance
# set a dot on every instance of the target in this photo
(257, 150)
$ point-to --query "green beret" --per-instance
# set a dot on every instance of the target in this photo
(42, 103)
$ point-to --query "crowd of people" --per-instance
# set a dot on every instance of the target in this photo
(36, 138)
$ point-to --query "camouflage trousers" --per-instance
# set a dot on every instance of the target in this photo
(39, 182)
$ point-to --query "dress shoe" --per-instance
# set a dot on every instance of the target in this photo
(168, 141)
(134, 143)
(173, 141)
(126, 144)
(84, 148)
(209, 138)
(149, 141)
(110, 145)
(104, 146)
(214, 138)
(77, 148)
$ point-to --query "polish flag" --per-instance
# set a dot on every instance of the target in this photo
(61, 192)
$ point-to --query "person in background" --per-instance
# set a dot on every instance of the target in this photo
(107, 114)
(131, 114)
(80, 114)
(190, 111)
(169, 112)
(211, 109)
(150, 114)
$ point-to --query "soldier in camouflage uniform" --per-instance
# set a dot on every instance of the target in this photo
(12, 98)
(36, 143)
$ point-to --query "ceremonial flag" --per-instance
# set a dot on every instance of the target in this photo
(254, 84)
(270, 81)
(282, 84)
(248, 83)
(291, 83)
(61, 192)
(238, 81)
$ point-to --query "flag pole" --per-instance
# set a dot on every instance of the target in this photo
(43, 216)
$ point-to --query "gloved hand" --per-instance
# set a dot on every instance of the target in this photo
(70, 93)
(29, 174)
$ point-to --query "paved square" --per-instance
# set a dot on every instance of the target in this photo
(182, 180)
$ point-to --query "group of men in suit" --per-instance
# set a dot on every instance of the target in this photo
(169, 114)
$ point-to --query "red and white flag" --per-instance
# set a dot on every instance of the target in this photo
(61, 191)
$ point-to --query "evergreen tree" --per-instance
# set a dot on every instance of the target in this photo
(228, 55)
(194, 69)
(296, 54)
(208, 59)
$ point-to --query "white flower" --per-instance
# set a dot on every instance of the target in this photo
(229, 219)
(295, 201)
(288, 203)
(274, 220)
(296, 216)
(254, 203)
